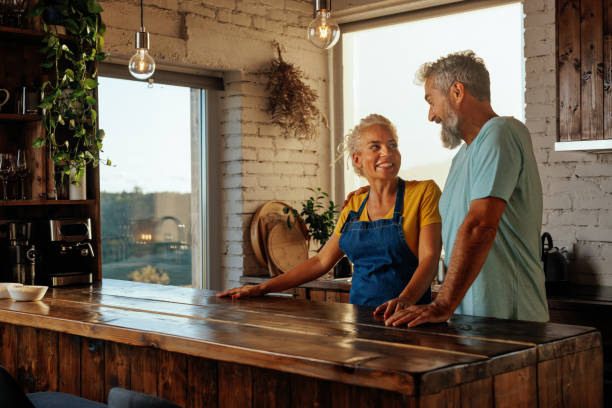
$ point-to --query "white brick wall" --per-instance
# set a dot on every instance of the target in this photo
(236, 37)
(577, 186)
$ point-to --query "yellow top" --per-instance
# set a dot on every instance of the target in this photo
(420, 209)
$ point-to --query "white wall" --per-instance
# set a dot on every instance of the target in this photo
(236, 37)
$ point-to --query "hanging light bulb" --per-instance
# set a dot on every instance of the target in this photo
(323, 31)
(141, 65)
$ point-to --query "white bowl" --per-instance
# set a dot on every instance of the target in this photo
(27, 292)
(4, 294)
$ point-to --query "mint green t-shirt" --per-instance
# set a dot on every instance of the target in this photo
(500, 163)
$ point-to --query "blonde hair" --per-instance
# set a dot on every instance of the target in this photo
(352, 140)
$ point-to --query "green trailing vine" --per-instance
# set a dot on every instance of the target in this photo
(69, 99)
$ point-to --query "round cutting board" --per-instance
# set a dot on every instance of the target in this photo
(263, 221)
(287, 247)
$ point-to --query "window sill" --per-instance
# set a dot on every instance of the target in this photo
(595, 146)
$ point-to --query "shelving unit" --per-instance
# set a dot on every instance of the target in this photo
(21, 60)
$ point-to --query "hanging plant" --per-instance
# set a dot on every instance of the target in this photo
(292, 103)
(69, 98)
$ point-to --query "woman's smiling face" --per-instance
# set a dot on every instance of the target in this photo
(378, 156)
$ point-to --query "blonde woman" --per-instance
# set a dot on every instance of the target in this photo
(391, 234)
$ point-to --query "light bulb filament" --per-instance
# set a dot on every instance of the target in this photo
(323, 31)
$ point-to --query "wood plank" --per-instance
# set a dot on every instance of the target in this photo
(300, 293)
(311, 392)
(235, 386)
(568, 68)
(332, 296)
(8, 348)
(344, 297)
(144, 361)
(92, 369)
(27, 357)
(69, 352)
(271, 389)
(172, 377)
(316, 295)
(117, 366)
(450, 397)
(517, 388)
(607, 41)
(591, 51)
(47, 375)
(352, 396)
(572, 381)
(202, 383)
(477, 394)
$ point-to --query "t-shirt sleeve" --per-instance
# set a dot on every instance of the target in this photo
(497, 164)
(342, 218)
(428, 211)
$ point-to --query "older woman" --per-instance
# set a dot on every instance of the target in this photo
(391, 234)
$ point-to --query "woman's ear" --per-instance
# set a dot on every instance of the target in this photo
(356, 160)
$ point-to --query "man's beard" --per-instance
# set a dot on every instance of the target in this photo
(450, 133)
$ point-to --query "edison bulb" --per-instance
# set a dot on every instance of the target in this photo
(323, 31)
(142, 65)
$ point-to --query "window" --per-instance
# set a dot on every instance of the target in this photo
(151, 196)
(378, 77)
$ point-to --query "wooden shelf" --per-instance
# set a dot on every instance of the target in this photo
(24, 33)
(30, 203)
(14, 117)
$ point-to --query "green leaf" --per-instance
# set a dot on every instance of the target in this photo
(47, 64)
(108, 162)
(39, 142)
(71, 25)
(94, 7)
(90, 83)
(90, 100)
(69, 74)
(45, 105)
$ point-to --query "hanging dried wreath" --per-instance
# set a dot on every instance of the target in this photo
(292, 103)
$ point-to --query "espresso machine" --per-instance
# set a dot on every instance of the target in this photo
(68, 254)
(20, 253)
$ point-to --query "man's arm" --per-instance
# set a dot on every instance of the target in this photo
(474, 240)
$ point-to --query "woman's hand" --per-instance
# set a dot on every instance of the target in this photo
(243, 292)
(416, 315)
(392, 306)
(360, 190)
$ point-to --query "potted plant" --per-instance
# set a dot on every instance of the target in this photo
(69, 95)
(320, 220)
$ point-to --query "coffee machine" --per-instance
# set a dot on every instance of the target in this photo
(68, 254)
(20, 253)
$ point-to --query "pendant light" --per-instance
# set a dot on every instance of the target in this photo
(323, 31)
(142, 65)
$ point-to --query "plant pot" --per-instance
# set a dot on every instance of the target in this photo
(77, 192)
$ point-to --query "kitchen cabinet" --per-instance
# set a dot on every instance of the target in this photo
(20, 65)
(584, 74)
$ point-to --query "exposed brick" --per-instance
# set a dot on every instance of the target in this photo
(241, 19)
(600, 234)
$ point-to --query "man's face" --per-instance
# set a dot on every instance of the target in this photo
(442, 113)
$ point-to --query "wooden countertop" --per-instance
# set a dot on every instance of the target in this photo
(341, 284)
(331, 341)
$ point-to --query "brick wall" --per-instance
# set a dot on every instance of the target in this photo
(236, 37)
(577, 186)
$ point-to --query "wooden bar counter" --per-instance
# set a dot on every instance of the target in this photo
(199, 351)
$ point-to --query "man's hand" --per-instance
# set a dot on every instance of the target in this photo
(416, 315)
(360, 190)
(392, 306)
(243, 292)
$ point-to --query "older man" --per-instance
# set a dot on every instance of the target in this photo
(491, 205)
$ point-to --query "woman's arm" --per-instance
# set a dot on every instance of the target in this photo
(430, 244)
(311, 269)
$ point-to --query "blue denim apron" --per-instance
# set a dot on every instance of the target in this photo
(383, 264)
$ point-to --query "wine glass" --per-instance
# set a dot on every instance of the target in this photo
(22, 170)
(19, 7)
(7, 169)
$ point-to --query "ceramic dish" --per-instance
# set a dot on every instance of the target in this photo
(4, 294)
(26, 293)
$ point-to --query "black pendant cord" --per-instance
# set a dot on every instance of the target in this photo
(141, 16)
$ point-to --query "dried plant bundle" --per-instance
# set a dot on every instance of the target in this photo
(292, 103)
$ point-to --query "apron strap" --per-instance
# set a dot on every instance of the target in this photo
(363, 205)
(399, 198)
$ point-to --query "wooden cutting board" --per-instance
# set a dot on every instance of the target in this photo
(287, 247)
(263, 221)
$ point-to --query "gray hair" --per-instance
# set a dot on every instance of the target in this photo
(352, 140)
(462, 66)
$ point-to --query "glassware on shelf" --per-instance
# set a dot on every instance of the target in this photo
(21, 171)
(19, 8)
(7, 170)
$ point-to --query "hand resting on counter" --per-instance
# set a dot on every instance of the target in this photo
(243, 292)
